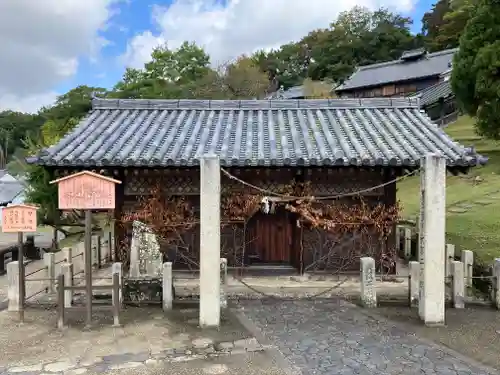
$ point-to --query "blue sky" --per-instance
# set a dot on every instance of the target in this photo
(135, 17)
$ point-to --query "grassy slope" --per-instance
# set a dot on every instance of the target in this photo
(478, 228)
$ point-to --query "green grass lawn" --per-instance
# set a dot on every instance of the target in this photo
(477, 193)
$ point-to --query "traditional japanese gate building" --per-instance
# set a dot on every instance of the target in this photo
(336, 146)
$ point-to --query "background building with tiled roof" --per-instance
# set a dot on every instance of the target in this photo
(414, 71)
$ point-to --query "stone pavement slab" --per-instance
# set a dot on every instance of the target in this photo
(147, 341)
(333, 336)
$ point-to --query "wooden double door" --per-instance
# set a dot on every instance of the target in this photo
(271, 239)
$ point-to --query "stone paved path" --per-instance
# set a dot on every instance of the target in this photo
(335, 337)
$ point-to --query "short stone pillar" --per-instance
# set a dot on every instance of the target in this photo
(98, 251)
(49, 260)
(117, 268)
(223, 283)
(13, 294)
(210, 185)
(167, 286)
(432, 242)
(398, 238)
(368, 292)
(467, 258)
(414, 282)
(67, 271)
(449, 258)
(94, 250)
(458, 289)
(496, 282)
(68, 254)
(407, 243)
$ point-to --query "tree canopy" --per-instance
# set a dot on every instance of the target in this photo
(476, 68)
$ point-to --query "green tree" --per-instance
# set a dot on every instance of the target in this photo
(454, 22)
(358, 37)
(166, 74)
(241, 79)
(432, 24)
(476, 68)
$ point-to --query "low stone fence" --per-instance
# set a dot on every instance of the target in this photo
(43, 279)
(155, 290)
(459, 280)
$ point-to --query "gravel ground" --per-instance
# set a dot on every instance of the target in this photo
(336, 337)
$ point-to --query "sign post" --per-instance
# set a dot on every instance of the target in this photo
(87, 191)
(20, 218)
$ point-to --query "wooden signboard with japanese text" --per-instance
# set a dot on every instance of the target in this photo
(86, 191)
(19, 218)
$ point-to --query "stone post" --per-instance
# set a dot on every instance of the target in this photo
(167, 286)
(368, 293)
(50, 262)
(407, 243)
(95, 255)
(458, 290)
(68, 254)
(496, 282)
(98, 251)
(467, 258)
(449, 258)
(223, 282)
(398, 238)
(67, 271)
(210, 241)
(117, 268)
(431, 301)
(414, 282)
(134, 269)
(109, 249)
(13, 285)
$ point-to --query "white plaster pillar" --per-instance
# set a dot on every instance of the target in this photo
(13, 285)
(496, 282)
(467, 258)
(209, 241)
(407, 243)
(117, 268)
(458, 289)
(431, 304)
(449, 258)
(414, 282)
(167, 285)
(368, 293)
(67, 271)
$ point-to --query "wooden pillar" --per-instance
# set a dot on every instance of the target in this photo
(390, 174)
(119, 230)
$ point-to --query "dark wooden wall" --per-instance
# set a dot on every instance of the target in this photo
(396, 89)
(265, 238)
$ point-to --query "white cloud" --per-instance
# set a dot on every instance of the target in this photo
(41, 43)
(241, 26)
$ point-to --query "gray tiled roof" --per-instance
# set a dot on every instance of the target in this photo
(432, 94)
(254, 132)
(9, 190)
(295, 92)
(432, 64)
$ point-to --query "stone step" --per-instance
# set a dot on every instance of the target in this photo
(457, 210)
(483, 202)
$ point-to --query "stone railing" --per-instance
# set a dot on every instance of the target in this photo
(39, 280)
(458, 277)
